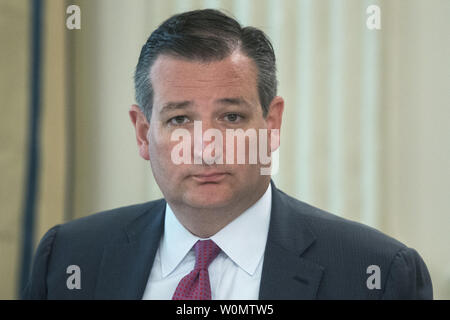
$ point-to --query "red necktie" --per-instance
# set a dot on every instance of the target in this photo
(195, 285)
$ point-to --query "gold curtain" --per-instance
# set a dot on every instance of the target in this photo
(14, 66)
(15, 58)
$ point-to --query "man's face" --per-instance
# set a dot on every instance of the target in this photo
(222, 95)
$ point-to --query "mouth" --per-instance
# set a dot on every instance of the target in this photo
(210, 177)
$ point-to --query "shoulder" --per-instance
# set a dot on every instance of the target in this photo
(108, 224)
(114, 219)
(96, 230)
(82, 242)
(347, 250)
(333, 229)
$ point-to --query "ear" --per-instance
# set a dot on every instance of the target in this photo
(141, 127)
(274, 118)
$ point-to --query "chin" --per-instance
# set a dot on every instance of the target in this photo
(208, 196)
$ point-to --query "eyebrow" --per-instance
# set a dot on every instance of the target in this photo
(176, 105)
(233, 101)
(170, 106)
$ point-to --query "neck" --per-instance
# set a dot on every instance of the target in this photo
(206, 222)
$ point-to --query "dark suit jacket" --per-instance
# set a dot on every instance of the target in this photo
(310, 254)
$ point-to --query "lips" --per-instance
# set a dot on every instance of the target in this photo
(209, 177)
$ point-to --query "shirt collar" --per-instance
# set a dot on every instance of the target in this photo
(243, 240)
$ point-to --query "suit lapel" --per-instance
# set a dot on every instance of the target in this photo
(286, 274)
(126, 266)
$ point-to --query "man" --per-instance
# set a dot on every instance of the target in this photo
(223, 230)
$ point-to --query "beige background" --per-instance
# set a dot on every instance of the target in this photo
(365, 132)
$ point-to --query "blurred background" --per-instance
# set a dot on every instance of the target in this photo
(365, 132)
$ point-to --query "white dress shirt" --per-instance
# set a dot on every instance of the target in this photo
(234, 274)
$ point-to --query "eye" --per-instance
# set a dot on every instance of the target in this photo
(233, 117)
(178, 120)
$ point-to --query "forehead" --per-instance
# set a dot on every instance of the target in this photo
(174, 78)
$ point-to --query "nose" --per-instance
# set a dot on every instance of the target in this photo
(208, 143)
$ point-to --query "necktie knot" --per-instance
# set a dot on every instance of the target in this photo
(205, 252)
(195, 285)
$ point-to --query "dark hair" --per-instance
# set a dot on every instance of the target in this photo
(205, 35)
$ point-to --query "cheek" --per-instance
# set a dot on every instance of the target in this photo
(160, 150)
(158, 145)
